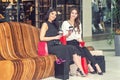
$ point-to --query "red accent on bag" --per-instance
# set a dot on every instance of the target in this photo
(63, 40)
(42, 48)
(84, 65)
(82, 44)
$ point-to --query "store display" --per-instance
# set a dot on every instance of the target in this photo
(11, 12)
(43, 7)
(14, 11)
(33, 12)
(64, 6)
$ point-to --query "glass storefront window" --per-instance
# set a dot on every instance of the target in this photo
(101, 17)
(106, 17)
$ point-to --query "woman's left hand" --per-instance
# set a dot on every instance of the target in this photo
(58, 36)
(79, 40)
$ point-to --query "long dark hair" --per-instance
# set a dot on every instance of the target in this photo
(77, 20)
(55, 22)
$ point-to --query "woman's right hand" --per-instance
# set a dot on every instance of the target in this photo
(69, 33)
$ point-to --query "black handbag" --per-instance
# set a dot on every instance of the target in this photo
(62, 69)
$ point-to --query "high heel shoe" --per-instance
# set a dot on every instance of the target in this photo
(91, 69)
(78, 70)
(100, 73)
(92, 72)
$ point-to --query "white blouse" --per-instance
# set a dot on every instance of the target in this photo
(74, 35)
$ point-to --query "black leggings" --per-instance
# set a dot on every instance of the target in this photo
(84, 51)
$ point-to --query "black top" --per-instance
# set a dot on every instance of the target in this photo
(52, 31)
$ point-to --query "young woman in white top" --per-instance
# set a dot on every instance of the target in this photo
(73, 31)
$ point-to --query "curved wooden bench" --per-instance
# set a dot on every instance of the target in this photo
(18, 53)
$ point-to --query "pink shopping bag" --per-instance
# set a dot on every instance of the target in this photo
(42, 48)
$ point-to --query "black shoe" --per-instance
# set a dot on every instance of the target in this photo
(100, 73)
(78, 70)
(93, 72)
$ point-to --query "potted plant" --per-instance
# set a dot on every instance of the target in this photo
(115, 20)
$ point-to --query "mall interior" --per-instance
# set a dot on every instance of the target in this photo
(99, 24)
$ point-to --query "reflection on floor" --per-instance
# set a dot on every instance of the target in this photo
(112, 63)
(97, 37)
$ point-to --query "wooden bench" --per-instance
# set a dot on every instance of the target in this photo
(18, 53)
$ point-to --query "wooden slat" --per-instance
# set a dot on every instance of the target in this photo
(18, 69)
(36, 35)
(6, 70)
(10, 41)
(44, 67)
(29, 69)
(18, 40)
(28, 41)
(5, 42)
(49, 61)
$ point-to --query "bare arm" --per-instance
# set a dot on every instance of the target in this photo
(43, 31)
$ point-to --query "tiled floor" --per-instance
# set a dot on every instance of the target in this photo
(112, 63)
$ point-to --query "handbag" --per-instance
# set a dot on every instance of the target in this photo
(62, 69)
(42, 48)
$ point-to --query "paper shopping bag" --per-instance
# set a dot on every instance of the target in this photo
(62, 70)
(42, 48)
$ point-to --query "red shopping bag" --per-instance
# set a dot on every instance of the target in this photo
(63, 40)
(42, 48)
(84, 65)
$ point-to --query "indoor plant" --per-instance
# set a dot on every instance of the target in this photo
(115, 23)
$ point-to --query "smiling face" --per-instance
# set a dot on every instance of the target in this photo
(52, 16)
(73, 14)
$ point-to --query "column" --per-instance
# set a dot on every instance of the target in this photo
(87, 18)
